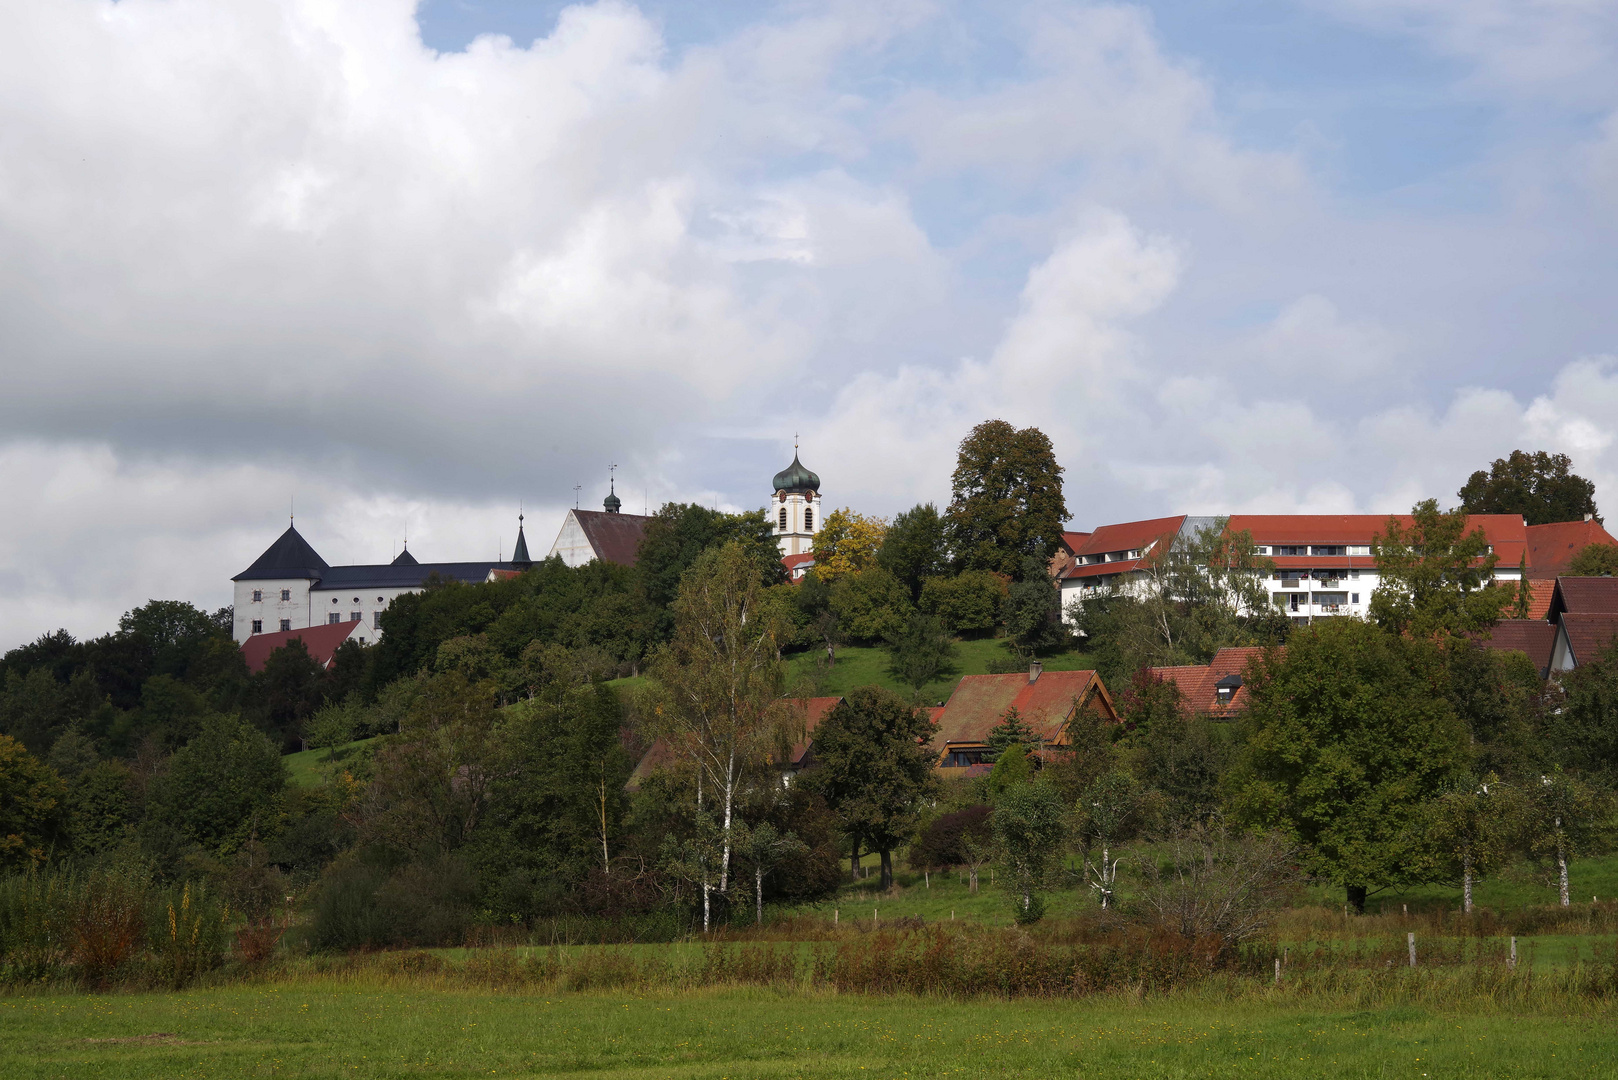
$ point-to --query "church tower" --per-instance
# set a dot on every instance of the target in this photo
(796, 508)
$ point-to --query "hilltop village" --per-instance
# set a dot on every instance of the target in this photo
(684, 713)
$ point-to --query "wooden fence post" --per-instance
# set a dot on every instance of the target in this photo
(1512, 963)
(1411, 940)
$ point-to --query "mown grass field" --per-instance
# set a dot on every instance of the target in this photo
(354, 1029)
(311, 768)
(868, 665)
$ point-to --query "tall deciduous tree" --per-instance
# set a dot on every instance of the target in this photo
(847, 543)
(1471, 827)
(723, 678)
(1348, 735)
(873, 765)
(1541, 487)
(1435, 576)
(1567, 818)
(915, 547)
(1594, 560)
(219, 789)
(922, 652)
(1007, 499)
(680, 532)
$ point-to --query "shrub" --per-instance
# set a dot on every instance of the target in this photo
(968, 603)
(190, 937)
(35, 925)
(109, 920)
(1216, 885)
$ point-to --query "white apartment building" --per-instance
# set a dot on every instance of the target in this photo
(1323, 564)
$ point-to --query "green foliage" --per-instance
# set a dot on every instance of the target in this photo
(870, 604)
(1185, 759)
(1471, 826)
(1593, 560)
(1006, 500)
(874, 767)
(915, 548)
(1029, 827)
(1010, 731)
(1347, 736)
(923, 652)
(847, 542)
(1580, 731)
(1149, 702)
(1540, 487)
(967, 603)
(1435, 576)
(1011, 768)
(334, 725)
(1566, 818)
(31, 806)
(218, 790)
(680, 532)
(100, 808)
(1032, 611)
(1499, 694)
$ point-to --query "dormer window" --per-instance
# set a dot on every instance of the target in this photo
(1225, 689)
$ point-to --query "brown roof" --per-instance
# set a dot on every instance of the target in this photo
(1045, 705)
(1588, 634)
(321, 641)
(1583, 595)
(1536, 637)
(1551, 547)
(615, 537)
(1199, 683)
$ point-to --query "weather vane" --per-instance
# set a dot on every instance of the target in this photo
(576, 489)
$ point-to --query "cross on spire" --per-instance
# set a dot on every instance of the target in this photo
(576, 489)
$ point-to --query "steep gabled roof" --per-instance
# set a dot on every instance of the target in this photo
(1588, 634)
(321, 641)
(1583, 596)
(1045, 705)
(813, 711)
(615, 537)
(290, 557)
(404, 558)
(1551, 547)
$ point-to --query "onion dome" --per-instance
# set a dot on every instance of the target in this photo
(796, 478)
(612, 503)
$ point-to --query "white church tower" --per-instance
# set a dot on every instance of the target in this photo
(796, 507)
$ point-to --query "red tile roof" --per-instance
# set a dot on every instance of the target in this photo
(1536, 637)
(798, 565)
(1199, 684)
(1129, 535)
(1506, 532)
(615, 537)
(1588, 634)
(1045, 705)
(1551, 547)
(1073, 540)
(321, 641)
(1539, 597)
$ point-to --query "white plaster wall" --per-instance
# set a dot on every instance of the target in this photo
(271, 609)
(796, 538)
(369, 603)
(571, 543)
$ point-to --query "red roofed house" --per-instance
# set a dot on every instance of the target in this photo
(1045, 700)
(1323, 561)
(321, 641)
(1214, 689)
(1551, 547)
(798, 565)
(1584, 611)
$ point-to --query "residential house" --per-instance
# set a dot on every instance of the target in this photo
(321, 641)
(1215, 689)
(1047, 701)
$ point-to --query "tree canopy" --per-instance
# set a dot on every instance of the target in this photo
(1435, 576)
(1539, 486)
(1006, 500)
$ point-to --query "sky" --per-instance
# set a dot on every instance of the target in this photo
(405, 269)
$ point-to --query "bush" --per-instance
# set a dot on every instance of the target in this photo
(1213, 885)
(370, 902)
(190, 936)
(943, 842)
(870, 604)
(109, 920)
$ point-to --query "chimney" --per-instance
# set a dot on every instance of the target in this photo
(1034, 670)
(1589, 517)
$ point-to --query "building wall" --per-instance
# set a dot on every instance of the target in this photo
(367, 605)
(571, 543)
(270, 609)
(796, 536)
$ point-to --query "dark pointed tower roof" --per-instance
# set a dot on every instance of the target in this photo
(519, 554)
(404, 558)
(289, 557)
(796, 478)
(612, 503)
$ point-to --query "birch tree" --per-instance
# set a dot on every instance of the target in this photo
(1567, 819)
(722, 710)
(1472, 826)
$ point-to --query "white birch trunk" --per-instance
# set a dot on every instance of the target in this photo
(758, 896)
(1561, 861)
(1466, 884)
(730, 801)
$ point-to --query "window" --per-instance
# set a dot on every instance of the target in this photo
(334, 599)
(1356, 597)
(258, 626)
(808, 519)
(783, 519)
(362, 641)
(380, 600)
(355, 616)
(286, 594)
(334, 618)
(286, 624)
(356, 599)
(376, 620)
(1359, 549)
(1355, 574)
(258, 596)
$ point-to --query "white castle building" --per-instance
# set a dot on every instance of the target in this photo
(290, 587)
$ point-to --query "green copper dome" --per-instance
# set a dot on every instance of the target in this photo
(612, 503)
(796, 478)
